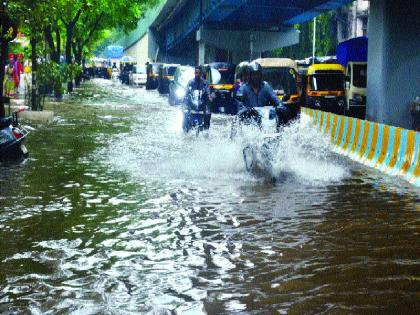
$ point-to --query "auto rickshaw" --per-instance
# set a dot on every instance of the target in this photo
(325, 88)
(126, 67)
(152, 75)
(166, 76)
(282, 75)
(221, 78)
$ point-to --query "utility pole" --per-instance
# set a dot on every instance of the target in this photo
(313, 42)
(251, 46)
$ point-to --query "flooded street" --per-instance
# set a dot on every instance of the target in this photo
(118, 212)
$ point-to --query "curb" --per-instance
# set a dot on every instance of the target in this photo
(392, 150)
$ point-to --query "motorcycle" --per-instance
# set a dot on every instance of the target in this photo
(259, 158)
(196, 116)
(258, 155)
(12, 136)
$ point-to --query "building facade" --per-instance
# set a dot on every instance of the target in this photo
(352, 20)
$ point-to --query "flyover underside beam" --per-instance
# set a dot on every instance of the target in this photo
(223, 13)
(245, 41)
(193, 16)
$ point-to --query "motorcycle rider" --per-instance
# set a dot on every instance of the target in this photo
(258, 93)
(200, 84)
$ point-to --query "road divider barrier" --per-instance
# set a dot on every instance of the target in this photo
(392, 150)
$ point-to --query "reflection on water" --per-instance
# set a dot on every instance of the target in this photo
(118, 212)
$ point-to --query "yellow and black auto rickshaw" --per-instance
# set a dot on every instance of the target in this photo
(152, 75)
(166, 76)
(325, 88)
(221, 78)
(282, 75)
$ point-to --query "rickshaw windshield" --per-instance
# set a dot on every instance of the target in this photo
(171, 70)
(185, 75)
(283, 80)
(359, 76)
(327, 81)
(222, 76)
(140, 69)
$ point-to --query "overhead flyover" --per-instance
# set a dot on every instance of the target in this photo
(241, 27)
(199, 31)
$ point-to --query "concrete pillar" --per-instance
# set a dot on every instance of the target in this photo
(393, 61)
(201, 53)
(153, 49)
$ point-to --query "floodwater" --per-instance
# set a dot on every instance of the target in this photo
(118, 212)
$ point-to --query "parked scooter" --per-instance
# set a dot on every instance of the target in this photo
(12, 136)
(196, 117)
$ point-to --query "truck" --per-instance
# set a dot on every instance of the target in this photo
(352, 55)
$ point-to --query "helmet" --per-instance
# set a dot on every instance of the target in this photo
(242, 68)
(254, 67)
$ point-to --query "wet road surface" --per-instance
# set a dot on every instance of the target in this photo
(118, 212)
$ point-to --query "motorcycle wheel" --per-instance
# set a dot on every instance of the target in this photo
(171, 100)
(249, 158)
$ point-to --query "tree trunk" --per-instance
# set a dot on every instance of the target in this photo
(34, 57)
(50, 40)
(69, 39)
(4, 53)
(78, 58)
(58, 43)
(5, 24)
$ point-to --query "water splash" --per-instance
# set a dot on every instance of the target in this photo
(307, 154)
(159, 149)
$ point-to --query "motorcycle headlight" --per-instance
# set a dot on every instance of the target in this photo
(180, 93)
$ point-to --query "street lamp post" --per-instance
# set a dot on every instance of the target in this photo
(313, 42)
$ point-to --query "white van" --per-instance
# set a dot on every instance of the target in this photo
(139, 75)
(356, 79)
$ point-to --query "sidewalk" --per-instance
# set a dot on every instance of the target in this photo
(25, 113)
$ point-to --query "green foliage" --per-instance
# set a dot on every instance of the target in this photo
(88, 20)
(71, 71)
(78, 25)
(50, 76)
(326, 39)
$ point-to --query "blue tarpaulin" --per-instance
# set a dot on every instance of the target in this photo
(354, 49)
(114, 52)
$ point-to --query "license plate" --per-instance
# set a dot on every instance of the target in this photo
(24, 149)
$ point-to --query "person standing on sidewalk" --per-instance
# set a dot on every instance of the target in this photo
(17, 70)
(21, 72)
(9, 83)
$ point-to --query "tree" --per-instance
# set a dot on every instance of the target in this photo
(103, 15)
(8, 32)
(33, 17)
(54, 42)
(70, 15)
(326, 38)
(81, 23)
